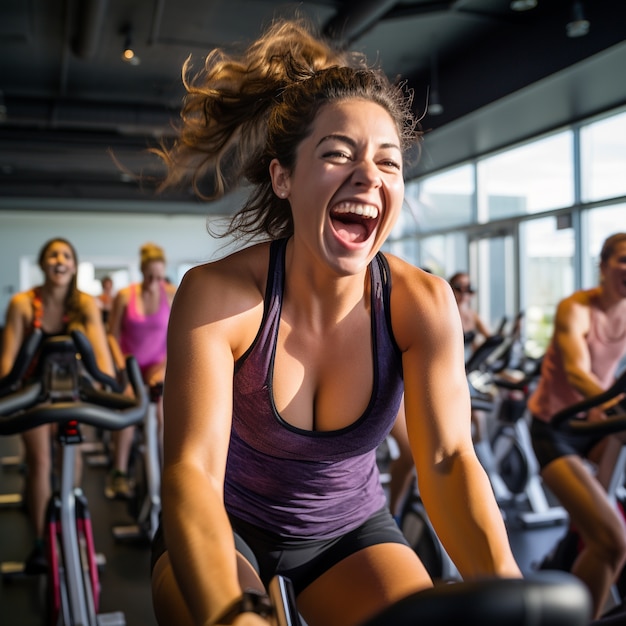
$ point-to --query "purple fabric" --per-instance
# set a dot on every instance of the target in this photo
(301, 483)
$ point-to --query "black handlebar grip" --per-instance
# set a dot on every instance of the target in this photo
(482, 353)
(566, 419)
(23, 360)
(89, 361)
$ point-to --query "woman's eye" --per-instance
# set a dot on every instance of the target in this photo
(337, 154)
(391, 163)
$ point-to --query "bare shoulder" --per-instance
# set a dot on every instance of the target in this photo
(86, 299)
(575, 309)
(422, 304)
(88, 304)
(22, 300)
(20, 307)
(416, 287)
(122, 296)
(225, 287)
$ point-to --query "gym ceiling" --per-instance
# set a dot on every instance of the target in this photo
(68, 101)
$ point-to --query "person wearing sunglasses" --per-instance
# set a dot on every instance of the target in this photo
(474, 329)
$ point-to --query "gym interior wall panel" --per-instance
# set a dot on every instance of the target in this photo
(114, 239)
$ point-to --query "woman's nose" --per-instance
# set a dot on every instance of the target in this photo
(367, 174)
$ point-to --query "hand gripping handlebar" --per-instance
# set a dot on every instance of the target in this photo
(57, 393)
(567, 419)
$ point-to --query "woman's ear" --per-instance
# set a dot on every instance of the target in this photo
(281, 180)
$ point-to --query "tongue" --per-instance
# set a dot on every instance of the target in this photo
(350, 231)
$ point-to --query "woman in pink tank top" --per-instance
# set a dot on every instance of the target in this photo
(138, 321)
(582, 360)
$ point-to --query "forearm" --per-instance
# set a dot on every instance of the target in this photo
(585, 382)
(460, 502)
(200, 541)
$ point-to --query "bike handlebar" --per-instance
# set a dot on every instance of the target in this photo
(483, 352)
(34, 402)
(13, 380)
(566, 419)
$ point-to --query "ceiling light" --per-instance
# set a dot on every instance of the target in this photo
(128, 52)
(434, 104)
(578, 26)
(523, 5)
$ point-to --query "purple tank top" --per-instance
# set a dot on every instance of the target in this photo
(145, 336)
(295, 482)
(554, 392)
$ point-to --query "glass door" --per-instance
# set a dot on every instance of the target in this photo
(547, 275)
(492, 268)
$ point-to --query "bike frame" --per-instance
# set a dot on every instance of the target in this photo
(73, 582)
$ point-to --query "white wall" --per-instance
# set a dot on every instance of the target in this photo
(106, 240)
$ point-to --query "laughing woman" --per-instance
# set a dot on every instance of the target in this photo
(287, 360)
(56, 307)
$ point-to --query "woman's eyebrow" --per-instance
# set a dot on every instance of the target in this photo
(337, 136)
(351, 141)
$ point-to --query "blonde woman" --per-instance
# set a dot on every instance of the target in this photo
(138, 321)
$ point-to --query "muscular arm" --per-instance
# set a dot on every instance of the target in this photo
(95, 332)
(453, 484)
(204, 331)
(571, 326)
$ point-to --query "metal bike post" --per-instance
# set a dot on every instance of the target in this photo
(69, 542)
(153, 465)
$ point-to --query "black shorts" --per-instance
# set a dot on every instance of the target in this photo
(550, 444)
(301, 560)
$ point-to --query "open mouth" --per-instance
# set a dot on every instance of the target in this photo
(354, 222)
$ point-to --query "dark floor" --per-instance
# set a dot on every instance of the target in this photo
(125, 578)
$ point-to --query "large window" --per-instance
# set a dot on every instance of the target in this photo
(444, 254)
(444, 200)
(549, 231)
(492, 261)
(547, 276)
(535, 177)
(603, 158)
(598, 224)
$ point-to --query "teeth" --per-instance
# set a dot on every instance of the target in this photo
(364, 210)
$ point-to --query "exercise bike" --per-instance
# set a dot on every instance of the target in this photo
(546, 599)
(145, 504)
(514, 456)
(62, 391)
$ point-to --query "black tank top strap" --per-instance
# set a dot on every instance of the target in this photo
(385, 280)
(275, 272)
